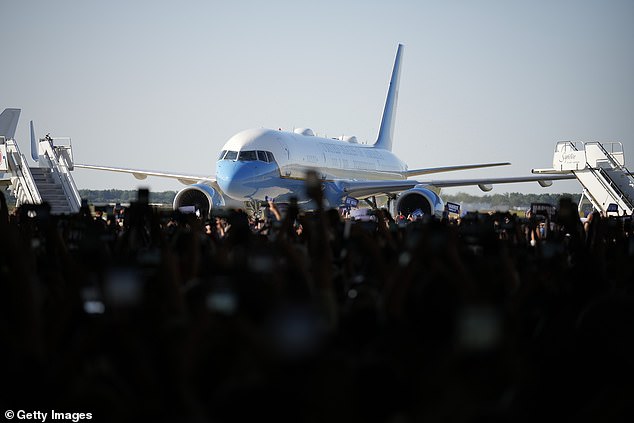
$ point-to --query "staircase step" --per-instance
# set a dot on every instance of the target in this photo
(48, 186)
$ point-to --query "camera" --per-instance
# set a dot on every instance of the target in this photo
(313, 185)
(143, 196)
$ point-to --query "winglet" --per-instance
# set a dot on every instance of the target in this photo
(9, 122)
(386, 131)
(34, 148)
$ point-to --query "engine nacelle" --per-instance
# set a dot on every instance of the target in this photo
(421, 198)
(198, 197)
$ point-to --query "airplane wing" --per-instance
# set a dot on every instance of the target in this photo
(368, 188)
(142, 174)
(426, 171)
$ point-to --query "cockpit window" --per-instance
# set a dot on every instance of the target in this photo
(231, 155)
(248, 156)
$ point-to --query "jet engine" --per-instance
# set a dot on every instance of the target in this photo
(421, 198)
(198, 198)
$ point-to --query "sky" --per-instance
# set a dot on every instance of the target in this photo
(162, 85)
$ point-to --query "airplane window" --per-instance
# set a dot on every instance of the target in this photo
(231, 155)
(262, 156)
(270, 156)
(247, 156)
(222, 154)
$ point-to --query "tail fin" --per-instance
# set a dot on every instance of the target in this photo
(386, 131)
(9, 122)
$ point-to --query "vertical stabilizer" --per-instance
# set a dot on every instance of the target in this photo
(386, 131)
(9, 122)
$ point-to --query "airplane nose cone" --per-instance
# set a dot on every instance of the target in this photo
(236, 179)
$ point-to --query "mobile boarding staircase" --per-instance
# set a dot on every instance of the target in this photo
(50, 181)
(600, 169)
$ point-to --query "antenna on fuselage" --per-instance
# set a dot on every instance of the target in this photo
(386, 131)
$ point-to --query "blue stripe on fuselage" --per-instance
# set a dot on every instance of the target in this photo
(253, 180)
(257, 180)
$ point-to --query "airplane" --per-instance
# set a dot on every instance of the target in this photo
(256, 165)
(9, 122)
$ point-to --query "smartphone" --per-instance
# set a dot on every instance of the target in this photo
(313, 184)
(566, 209)
(143, 196)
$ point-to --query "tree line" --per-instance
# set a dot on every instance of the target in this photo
(509, 200)
(110, 196)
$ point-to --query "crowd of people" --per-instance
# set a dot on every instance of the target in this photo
(143, 315)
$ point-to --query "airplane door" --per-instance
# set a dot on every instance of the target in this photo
(284, 160)
(285, 148)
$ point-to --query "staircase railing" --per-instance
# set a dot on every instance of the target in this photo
(25, 189)
(60, 161)
(617, 190)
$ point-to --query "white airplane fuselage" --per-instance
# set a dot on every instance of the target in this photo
(259, 163)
